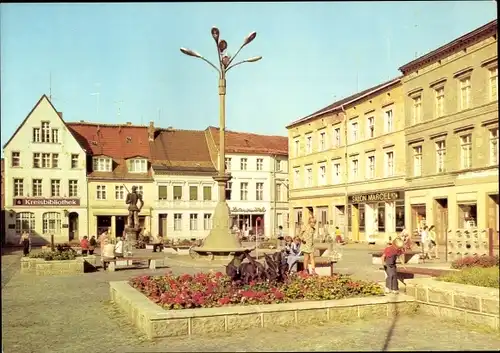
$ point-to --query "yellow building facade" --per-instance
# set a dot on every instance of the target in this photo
(347, 165)
(451, 102)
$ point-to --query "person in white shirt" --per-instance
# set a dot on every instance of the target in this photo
(424, 238)
(119, 247)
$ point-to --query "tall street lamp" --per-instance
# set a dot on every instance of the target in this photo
(220, 242)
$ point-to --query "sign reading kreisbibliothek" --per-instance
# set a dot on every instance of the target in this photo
(46, 202)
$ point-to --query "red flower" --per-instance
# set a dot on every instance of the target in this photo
(224, 301)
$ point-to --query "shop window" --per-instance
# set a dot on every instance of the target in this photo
(51, 223)
(467, 215)
(25, 222)
(400, 216)
(381, 217)
(361, 218)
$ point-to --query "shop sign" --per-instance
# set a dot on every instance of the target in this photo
(377, 196)
(46, 202)
(248, 210)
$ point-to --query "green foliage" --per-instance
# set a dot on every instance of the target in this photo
(476, 276)
(54, 255)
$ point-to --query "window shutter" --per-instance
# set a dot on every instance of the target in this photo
(193, 193)
(162, 192)
(178, 192)
(207, 193)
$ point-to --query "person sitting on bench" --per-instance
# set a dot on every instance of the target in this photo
(119, 247)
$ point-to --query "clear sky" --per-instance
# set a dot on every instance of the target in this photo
(313, 54)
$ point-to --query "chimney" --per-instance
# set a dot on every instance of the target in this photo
(151, 131)
(129, 123)
(60, 114)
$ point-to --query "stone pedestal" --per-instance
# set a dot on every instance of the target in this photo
(131, 237)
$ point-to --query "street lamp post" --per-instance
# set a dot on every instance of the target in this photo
(220, 241)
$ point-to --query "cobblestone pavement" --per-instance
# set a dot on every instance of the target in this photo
(73, 314)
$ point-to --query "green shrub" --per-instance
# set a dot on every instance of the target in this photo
(476, 276)
(54, 255)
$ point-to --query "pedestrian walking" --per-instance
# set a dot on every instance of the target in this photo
(389, 257)
(25, 241)
(92, 245)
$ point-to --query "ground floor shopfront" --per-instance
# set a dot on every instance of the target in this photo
(65, 219)
(454, 207)
(114, 221)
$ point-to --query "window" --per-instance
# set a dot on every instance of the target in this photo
(55, 136)
(389, 157)
(337, 177)
(494, 83)
(73, 188)
(229, 190)
(309, 175)
(322, 141)
(322, 175)
(55, 188)
(162, 192)
(440, 156)
(177, 192)
(101, 192)
(18, 187)
(25, 222)
(354, 168)
(389, 121)
(336, 137)
(260, 163)
(243, 191)
(36, 160)
(417, 109)
(243, 164)
(354, 132)
(51, 223)
(74, 161)
(277, 192)
(297, 147)
(36, 134)
(259, 191)
(228, 163)
(37, 188)
(45, 131)
(278, 165)
(466, 151)
(207, 221)
(177, 221)
(140, 190)
(417, 161)
(370, 167)
(15, 159)
(465, 93)
(45, 160)
(309, 144)
(193, 221)
(296, 177)
(207, 193)
(119, 192)
(102, 164)
(494, 146)
(55, 160)
(193, 193)
(138, 166)
(370, 127)
(439, 101)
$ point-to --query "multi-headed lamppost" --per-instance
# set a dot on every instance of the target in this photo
(219, 239)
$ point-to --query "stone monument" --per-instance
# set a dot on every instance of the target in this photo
(132, 229)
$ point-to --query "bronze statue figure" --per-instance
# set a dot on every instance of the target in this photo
(133, 210)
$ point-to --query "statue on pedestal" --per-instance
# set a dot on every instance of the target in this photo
(133, 198)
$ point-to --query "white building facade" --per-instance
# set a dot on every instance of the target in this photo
(45, 179)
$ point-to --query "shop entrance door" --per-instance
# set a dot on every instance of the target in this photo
(441, 219)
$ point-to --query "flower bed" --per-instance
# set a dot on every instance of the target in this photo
(216, 290)
(54, 255)
(476, 261)
(476, 276)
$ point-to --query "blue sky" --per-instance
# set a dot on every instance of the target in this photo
(313, 54)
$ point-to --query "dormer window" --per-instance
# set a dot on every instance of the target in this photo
(138, 165)
(102, 164)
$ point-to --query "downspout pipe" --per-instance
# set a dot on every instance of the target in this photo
(346, 182)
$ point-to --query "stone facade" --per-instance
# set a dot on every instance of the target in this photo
(40, 267)
(465, 303)
(156, 322)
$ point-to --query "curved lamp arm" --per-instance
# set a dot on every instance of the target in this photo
(250, 60)
(194, 54)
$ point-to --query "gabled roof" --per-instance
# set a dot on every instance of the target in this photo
(244, 142)
(345, 101)
(451, 47)
(31, 112)
(182, 151)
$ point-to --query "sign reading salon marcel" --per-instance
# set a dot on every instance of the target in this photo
(377, 196)
(46, 202)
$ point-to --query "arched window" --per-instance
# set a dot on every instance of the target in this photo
(25, 222)
(51, 223)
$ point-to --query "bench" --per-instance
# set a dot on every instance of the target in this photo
(410, 272)
(320, 261)
(110, 263)
(412, 257)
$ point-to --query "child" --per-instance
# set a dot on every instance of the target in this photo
(92, 245)
(338, 235)
(389, 258)
(84, 244)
